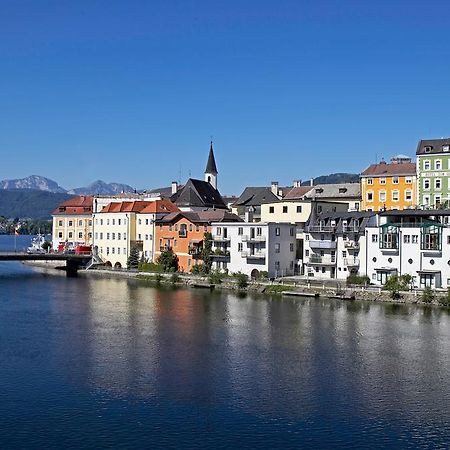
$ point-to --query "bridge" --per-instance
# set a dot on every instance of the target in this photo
(73, 261)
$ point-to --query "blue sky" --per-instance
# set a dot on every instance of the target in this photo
(131, 91)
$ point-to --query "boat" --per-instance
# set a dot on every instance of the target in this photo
(36, 244)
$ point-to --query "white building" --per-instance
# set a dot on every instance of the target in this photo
(333, 243)
(254, 247)
(410, 242)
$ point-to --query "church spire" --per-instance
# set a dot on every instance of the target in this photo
(211, 168)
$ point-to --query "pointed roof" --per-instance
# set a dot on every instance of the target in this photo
(211, 165)
(198, 193)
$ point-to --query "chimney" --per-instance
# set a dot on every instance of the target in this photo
(174, 187)
(249, 214)
(274, 187)
(297, 183)
(311, 182)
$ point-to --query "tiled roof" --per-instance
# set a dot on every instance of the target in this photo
(160, 206)
(385, 169)
(81, 204)
(430, 146)
(198, 193)
(337, 191)
(255, 196)
(135, 206)
(203, 217)
(297, 192)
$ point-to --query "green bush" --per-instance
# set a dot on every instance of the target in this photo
(427, 295)
(444, 300)
(242, 280)
(168, 260)
(396, 283)
(175, 278)
(197, 269)
(133, 259)
(215, 277)
(277, 288)
(358, 279)
(150, 267)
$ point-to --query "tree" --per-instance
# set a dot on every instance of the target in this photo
(396, 283)
(133, 259)
(207, 252)
(46, 246)
(168, 260)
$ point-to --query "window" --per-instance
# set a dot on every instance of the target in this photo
(170, 227)
(277, 265)
(285, 209)
(146, 237)
(299, 208)
(369, 181)
(107, 235)
(271, 209)
(70, 235)
(101, 221)
(395, 196)
(124, 235)
(197, 228)
(277, 248)
(176, 227)
(306, 237)
(406, 239)
(80, 235)
(118, 236)
(426, 200)
(437, 164)
(118, 221)
(139, 222)
(60, 223)
(437, 200)
(374, 237)
(190, 227)
(428, 148)
(291, 231)
(240, 247)
(370, 196)
(383, 180)
(258, 231)
(113, 249)
(445, 148)
(394, 180)
(344, 254)
(382, 196)
(277, 231)
(101, 235)
(118, 250)
(218, 231)
(113, 221)
(426, 183)
(70, 223)
(96, 235)
(291, 247)
(408, 195)
(427, 164)
(437, 183)
(408, 180)
(80, 223)
(107, 221)
(240, 231)
(415, 238)
(113, 235)
(306, 252)
(448, 240)
(60, 234)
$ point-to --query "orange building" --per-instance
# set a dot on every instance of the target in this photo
(389, 186)
(184, 232)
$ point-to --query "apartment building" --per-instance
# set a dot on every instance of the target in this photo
(389, 186)
(251, 248)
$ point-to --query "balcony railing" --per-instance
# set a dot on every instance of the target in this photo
(165, 248)
(325, 260)
(351, 262)
(195, 251)
(246, 238)
(322, 244)
(224, 256)
(256, 255)
(321, 229)
(220, 238)
(351, 244)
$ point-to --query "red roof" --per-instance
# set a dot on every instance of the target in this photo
(297, 192)
(135, 206)
(385, 169)
(76, 206)
(160, 206)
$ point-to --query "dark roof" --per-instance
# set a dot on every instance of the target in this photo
(198, 193)
(297, 192)
(417, 212)
(383, 169)
(211, 165)
(363, 218)
(255, 196)
(201, 217)
(163, 191)
(435, 146)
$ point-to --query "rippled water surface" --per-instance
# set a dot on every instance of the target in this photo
(111, 363)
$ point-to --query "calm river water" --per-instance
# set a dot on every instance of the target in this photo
(111, 363)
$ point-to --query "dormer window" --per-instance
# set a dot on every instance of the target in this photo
(342, 190)
(427, 148)
(445, 148)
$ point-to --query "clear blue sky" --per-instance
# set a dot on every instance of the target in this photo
(130, 91)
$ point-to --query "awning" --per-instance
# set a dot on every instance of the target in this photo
(429, 271)
(386, 269)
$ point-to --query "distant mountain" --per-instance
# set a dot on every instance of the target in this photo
(29, 203)
(335, 178)
(32, 182)
(102, 188)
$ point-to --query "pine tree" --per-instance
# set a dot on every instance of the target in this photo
(133, 259)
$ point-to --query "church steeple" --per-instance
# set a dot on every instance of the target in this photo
(211, 169)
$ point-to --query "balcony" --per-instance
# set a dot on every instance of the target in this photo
(165, 248)
(351, 262)
(195, 251)
(322, 260)
(246, 238)
(220, 238)
(221, 256)
(257, 255)
(351, 245)
(321, 229)
(350, 229)
(322, 244)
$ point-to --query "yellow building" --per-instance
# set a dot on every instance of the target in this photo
(389, 186)
(72, 222)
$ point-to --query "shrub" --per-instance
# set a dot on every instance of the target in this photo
(358, 279)
(427, 295)
(444, 300)
(150, 267)
(175, 278)
(133, 259)
(215, 277)
(197, 269)
(396, 283)
(168, 260)
(242, 280)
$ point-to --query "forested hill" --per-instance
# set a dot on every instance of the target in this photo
(335, 178)
(28, 203)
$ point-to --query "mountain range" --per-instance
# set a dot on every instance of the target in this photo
(39, 183)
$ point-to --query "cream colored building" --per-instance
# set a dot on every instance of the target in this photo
(72, 223)
(119, 226)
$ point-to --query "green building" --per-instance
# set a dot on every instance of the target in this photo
(433, 173)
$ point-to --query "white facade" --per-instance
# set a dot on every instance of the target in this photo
(421, 250)
(252, 248)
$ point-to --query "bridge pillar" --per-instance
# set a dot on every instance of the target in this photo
(72, 268)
